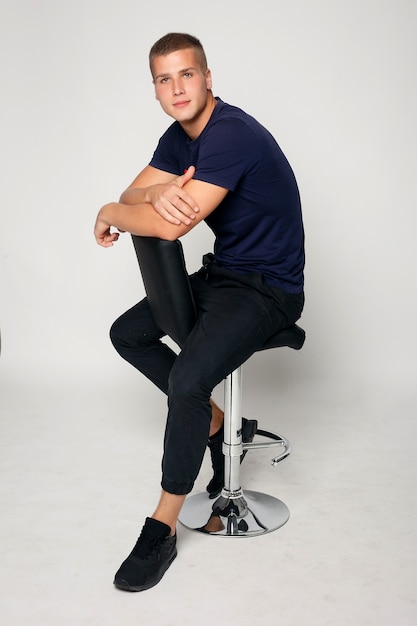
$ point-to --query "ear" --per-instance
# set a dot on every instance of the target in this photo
(209, 82)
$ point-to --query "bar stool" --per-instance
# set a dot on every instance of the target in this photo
(235, 513)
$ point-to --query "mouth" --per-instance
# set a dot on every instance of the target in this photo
(182, 104)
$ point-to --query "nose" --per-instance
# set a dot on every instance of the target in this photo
(178, 87)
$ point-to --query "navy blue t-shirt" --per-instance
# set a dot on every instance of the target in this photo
(258, 226)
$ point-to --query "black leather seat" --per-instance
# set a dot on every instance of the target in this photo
(168, 289)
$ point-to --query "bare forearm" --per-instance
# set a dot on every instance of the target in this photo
(135, 195)
(138, 219)
(168, 197)
(143, 219)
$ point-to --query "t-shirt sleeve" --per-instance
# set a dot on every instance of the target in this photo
(165, 156)
(227, 152)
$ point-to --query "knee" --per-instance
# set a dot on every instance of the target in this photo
(114, 335)
(185, 386)
(119, 334)
(128, 333)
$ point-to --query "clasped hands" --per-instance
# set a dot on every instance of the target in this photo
(169, 200)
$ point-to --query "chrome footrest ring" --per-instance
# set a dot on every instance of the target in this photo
(276, 440)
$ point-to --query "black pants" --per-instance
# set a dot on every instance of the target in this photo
(236, 315)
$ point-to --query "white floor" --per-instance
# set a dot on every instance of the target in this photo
(80, 471)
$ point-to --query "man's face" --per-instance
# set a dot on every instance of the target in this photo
(181, 86)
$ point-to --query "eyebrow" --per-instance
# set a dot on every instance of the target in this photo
(166, 75)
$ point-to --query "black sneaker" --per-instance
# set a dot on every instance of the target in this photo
(150, 558)
(215, 444)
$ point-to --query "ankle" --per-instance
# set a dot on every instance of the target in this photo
(167, 521)
(159, 518)
(217, 418)
(168, 510)
(215, 430)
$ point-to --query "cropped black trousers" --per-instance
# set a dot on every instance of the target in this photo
(236, 315)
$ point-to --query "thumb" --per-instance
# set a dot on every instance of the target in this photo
(188, 174)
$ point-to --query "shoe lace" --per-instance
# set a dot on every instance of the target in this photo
(146, 546)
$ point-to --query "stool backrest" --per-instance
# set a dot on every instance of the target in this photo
(167, 285)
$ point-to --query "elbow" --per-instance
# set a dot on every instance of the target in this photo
(123, 198)
(171, 236)
(170, 232)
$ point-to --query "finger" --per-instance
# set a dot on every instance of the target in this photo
(168, 215)
(183, 201)
(107, 240)
(187, 176)
(182, 209)
(179, 213)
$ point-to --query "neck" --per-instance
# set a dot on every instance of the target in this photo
(195, 127)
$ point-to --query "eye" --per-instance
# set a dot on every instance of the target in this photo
(188, 74)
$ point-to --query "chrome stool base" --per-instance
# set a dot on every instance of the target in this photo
(237, 514)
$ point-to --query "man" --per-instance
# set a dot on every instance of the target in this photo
(218, 164)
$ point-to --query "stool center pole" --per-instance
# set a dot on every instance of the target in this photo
(232, 445)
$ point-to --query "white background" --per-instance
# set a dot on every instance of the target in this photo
(336, 83)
